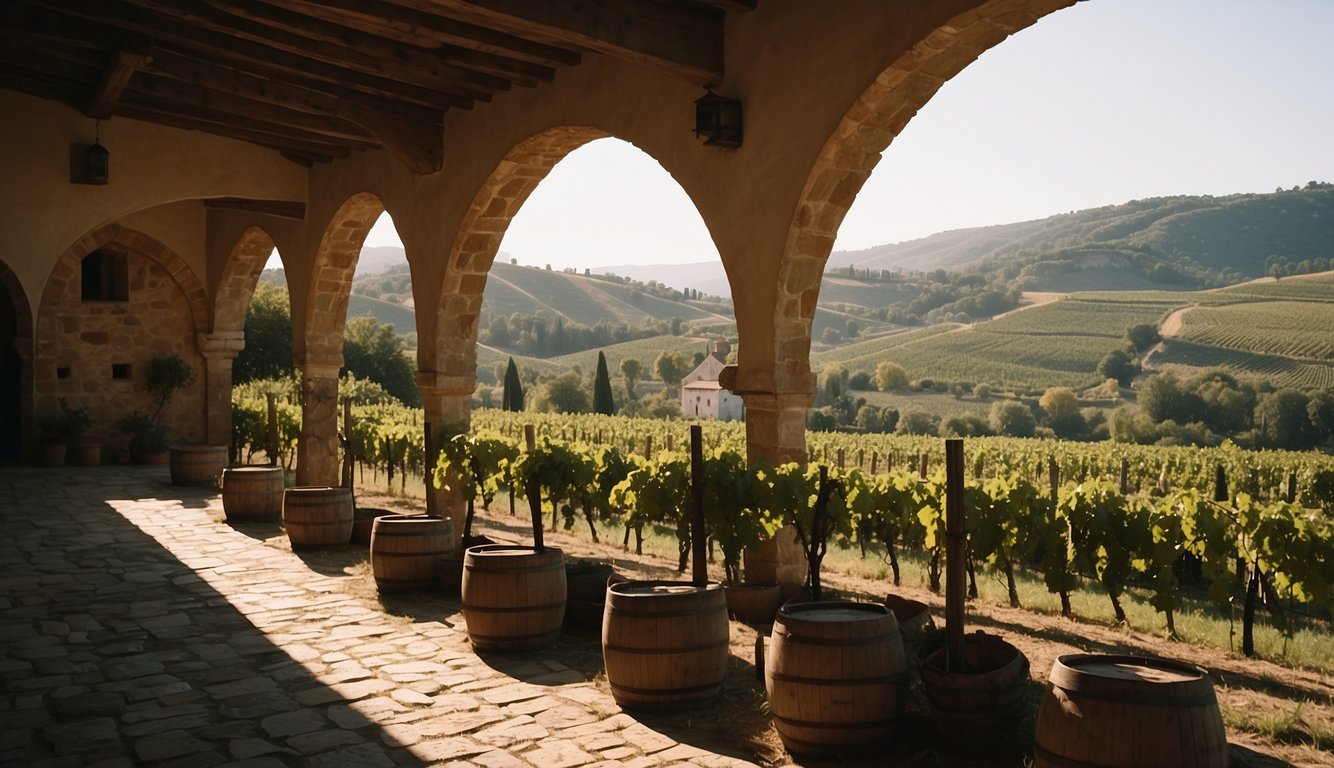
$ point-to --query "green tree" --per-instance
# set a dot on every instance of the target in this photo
(1143, 336)
(890, 376)
(567, 393)
(1008, 417)
(602, 399)
(1159, 396)
(512, 397)
(1282, 421)
(631, 369)
(671, 367)
(268, 336)
(372, 350)
(1118, 365)
(917, 423)
(1062, 407)
(1320, 410)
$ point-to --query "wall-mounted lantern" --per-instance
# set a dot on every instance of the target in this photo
(718, 120)
(90, 163)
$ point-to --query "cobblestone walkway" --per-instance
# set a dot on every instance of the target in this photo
(136, 630)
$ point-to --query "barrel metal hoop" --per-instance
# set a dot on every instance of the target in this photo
(1146, 698)
(841, 726)
(900, 680)
(837, 641)
(619, 613)
(668, 691)
(514, 609)
(659, 651)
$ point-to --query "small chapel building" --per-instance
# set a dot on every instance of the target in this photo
(702, 397)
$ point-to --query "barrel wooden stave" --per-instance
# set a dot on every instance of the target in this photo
(405, 550)
(513, 597)
(252, 494)
(1114, 711)
(987, 700)
(836, 677)
(317, 516)
(197, 464)
(665, 643)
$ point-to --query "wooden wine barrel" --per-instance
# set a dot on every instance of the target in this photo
(317, 516)
(405, 550)
(1114, 711)
(914, 618)
(836, 678)
(987, 699)
(252, 494)
(513, 597)
(753, 603)
(664, 643)
(197, 464)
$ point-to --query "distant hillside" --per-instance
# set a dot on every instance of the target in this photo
(1171, 242)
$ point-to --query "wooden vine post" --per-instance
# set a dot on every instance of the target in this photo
(956, 553)
(698, 545)
(349, 458)
(1054, 480)
(432, 503)
(272, 447)
(534, 490)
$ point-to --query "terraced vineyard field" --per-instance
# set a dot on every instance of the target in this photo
(1076, 316)
(1279, 371)
(1299, 329)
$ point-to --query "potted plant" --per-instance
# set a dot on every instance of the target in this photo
(735, 522)
(62, 429)
(148, 439)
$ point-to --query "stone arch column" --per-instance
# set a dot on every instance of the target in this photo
(447, 372)
(20, 354)
(322, 354)
(240, 274)
(776, 420)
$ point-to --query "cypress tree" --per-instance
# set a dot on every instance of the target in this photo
(512, 398)
(602, 399)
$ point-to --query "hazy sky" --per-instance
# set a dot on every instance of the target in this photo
(1098, 104)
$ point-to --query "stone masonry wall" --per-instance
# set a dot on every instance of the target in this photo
(90, 337)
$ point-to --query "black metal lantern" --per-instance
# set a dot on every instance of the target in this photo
(96, 161)
(718, 120)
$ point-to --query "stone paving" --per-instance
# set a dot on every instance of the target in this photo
(137, 630)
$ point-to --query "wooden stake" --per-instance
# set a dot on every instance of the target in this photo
(698, 545)
(432, 508)
(273, 429)
(956, 553)
(534, 490)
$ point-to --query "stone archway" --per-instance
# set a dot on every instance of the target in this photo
(842, 167)
(15, 366)
(448, 374)
(327, 297)
(91, 351)
(221, 346)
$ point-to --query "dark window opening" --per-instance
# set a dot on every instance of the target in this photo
(120, 370)
(106, 276)
(62, 372)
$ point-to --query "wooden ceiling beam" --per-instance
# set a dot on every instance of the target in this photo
(312, 33)
(417, 18)
(114, 81)
(287, 209)
(684, 41)
(234, 126)
(519, 70)
(192, 99)
(245, 55)
(248, 23)
(418, 145)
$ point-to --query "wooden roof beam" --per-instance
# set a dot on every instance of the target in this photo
(419, 145)
(687, 42)
(192, 41)
(287, 209)
(419, 19)
(114, 81)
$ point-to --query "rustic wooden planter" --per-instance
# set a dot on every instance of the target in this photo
(90, 454)
(753, 603)
(1123, 711)
(914, 618)
(252, 494)
(317, 516)
(405, 550)
(586, 595)
(987, 700)
(664, 643)
(197, 464)
(836, 678)
(513, 597)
